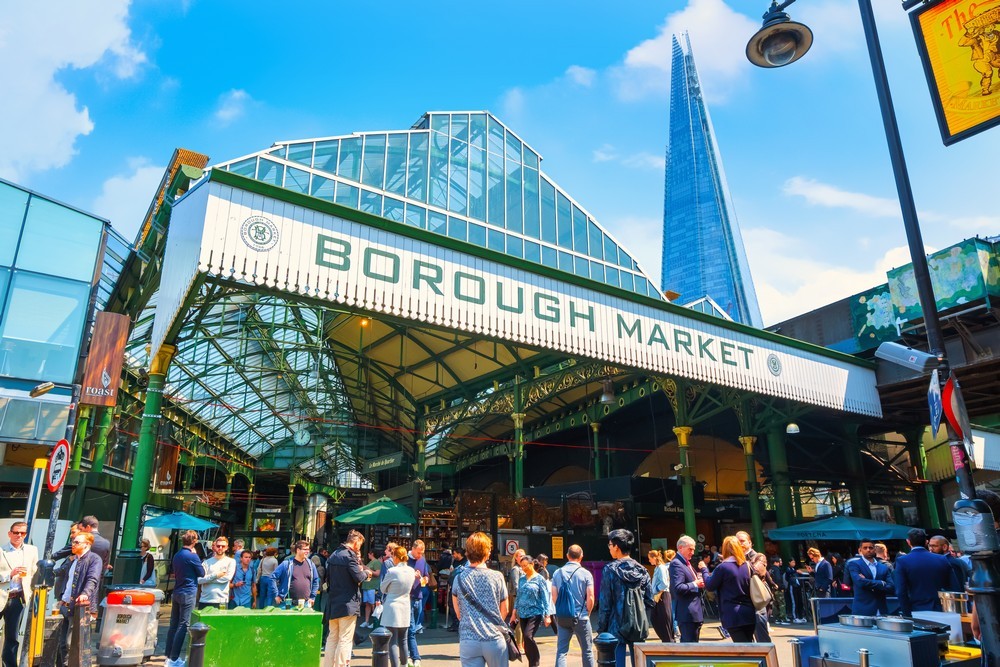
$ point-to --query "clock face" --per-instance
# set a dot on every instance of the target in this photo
(302, 437)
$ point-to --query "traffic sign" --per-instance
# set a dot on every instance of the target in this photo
(955, 412)
(58, 466)
(934, 401)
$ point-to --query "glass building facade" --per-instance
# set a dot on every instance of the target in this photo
(460, 174)
(48, 266)
(703, 254)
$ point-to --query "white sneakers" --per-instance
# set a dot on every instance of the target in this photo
(179, 662)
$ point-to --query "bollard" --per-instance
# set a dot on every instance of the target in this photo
(198, 632)
(606, 644)
(796, 652)
(380, 647)
(81, 651)
(863, 655)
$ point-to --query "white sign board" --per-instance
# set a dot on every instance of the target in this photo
(261, 240)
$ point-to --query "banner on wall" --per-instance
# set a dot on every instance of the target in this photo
(103, 372)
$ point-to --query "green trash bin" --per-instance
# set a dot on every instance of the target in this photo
(269, 637)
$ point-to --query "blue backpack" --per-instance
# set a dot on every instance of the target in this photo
(566, 613)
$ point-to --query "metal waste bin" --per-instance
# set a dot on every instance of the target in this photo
(126, 627)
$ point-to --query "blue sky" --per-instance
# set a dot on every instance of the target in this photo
(100, 93)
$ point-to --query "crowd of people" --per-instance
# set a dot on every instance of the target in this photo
(497, 615)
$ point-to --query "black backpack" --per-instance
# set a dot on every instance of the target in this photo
(635, 625)
(566, 614)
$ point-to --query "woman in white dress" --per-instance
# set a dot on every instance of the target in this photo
(396, 585)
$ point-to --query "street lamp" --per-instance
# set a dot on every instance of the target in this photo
(782, 41)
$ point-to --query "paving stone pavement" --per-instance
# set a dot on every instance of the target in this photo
(439, 648)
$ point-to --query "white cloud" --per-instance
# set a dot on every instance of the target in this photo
(789, 282)
(125, 197)
(581, 76)
(41, 120)
(816, 193)
(606, 153)
(823, 194)
(982, 224)
(513, 102)
(232, 106)
(645, 161)
(718, 38)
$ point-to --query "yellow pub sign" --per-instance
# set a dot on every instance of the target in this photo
(959, 43)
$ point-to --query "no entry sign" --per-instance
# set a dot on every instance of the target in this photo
(55, 474)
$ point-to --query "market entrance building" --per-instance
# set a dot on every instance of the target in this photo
(476, 346)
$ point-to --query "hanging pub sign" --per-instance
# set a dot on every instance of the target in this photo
(959, 44)
(103, 371)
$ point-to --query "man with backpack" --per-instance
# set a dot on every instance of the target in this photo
(573, 597)
(626, 596)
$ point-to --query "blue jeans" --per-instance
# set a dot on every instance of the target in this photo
(620, 654)
(266, 591)
(411, 634)
(583, 634)
(182, 604)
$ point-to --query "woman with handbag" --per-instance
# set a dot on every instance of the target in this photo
(731, 582)
(531, 610)
(396, 586)
(480, 599)
(762, 595)
(661, 617)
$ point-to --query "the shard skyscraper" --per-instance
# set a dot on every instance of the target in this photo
(703, 255)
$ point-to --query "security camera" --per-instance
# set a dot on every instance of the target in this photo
(915, 360)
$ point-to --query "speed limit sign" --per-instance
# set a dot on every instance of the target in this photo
(58, 466)
(509, 547)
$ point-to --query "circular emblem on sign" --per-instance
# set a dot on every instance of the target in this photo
(510, 546)
(259, 233)
(774, 364)
(55, 473)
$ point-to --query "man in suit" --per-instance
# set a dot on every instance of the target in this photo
(17, 567)
(920, 575)
(102, 547)
(939, 544)
(822, 573)
(81, 589)
(871, 580)
(685, 589)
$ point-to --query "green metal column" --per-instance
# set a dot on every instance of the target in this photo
(81, 435)
(781, 481)
(860, 504)
(229, 490)
(753, 488)
(596, 427)
(142, 471)
(687, 480)
(291, 504)
(101, 430)
(188, 474)
(420, 483)
(251, 502)
(518, 418)
(927, 495)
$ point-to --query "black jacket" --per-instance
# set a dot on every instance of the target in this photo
(344, 576)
